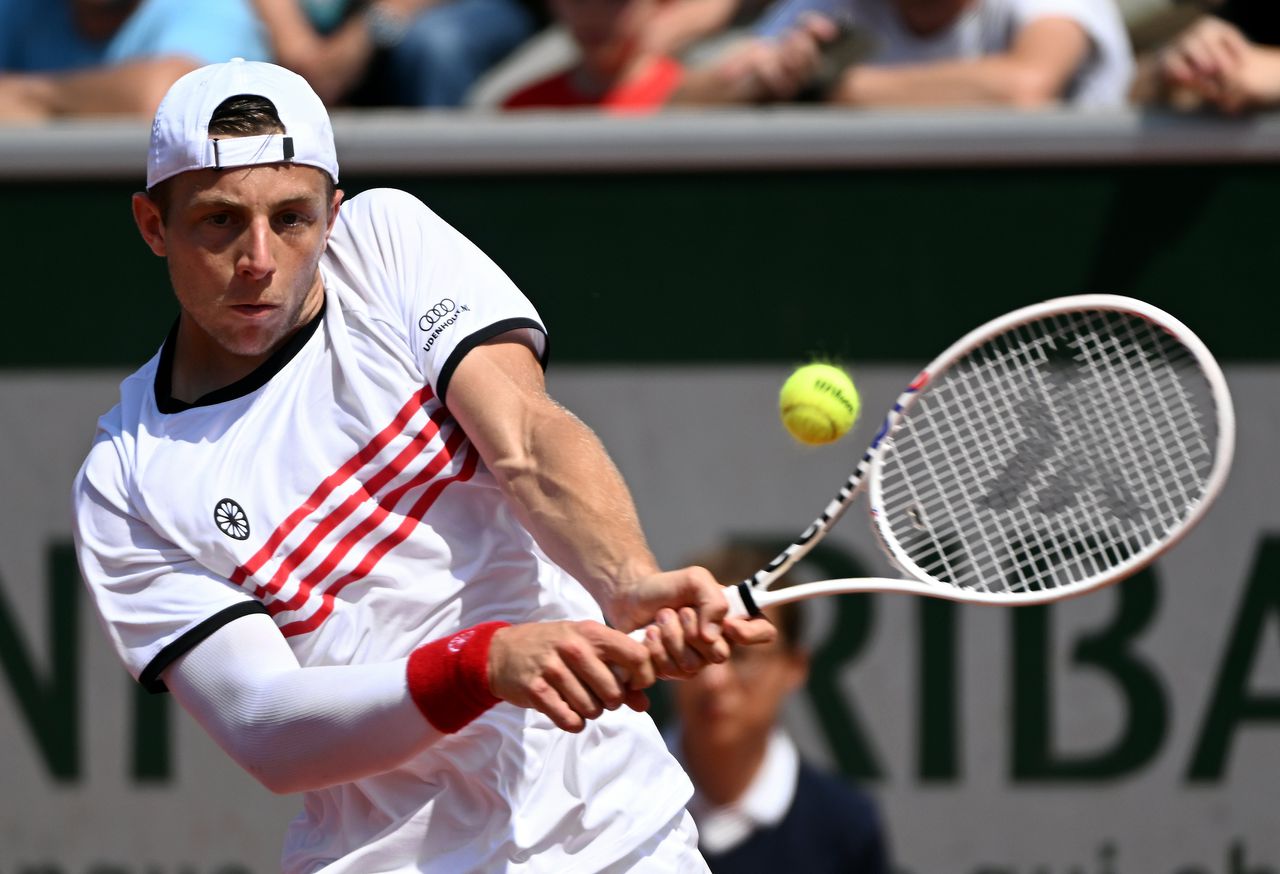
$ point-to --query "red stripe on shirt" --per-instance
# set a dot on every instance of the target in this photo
(331, 482)
(365, 492)
(381, 510)
(391, 541)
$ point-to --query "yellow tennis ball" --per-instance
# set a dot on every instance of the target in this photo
(818, 404)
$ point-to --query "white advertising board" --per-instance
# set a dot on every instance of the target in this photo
(1135, 731)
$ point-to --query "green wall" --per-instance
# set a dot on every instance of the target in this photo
(734, 266)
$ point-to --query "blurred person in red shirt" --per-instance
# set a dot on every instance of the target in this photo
(622, 69)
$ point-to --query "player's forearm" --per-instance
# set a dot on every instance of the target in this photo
(574, 501)
(992, 81)
(297, 729)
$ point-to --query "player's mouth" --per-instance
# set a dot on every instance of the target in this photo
(253, 310)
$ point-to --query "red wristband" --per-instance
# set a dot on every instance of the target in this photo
(449, 677)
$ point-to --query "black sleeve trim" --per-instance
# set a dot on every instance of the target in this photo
(150, 676)
(483, 335)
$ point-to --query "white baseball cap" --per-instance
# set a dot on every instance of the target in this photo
(180, 133)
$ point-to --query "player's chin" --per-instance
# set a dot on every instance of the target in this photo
(252, 341)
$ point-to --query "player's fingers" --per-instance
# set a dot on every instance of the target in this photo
(622, 658)
(655, 641)
(637, 701)
(588, 661)
(699, 651)
(575, 692)
(748, 632)
(707, 595)
(546, 700)
(675, 627)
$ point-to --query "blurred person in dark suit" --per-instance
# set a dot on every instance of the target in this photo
(112, 57)
(758, 805)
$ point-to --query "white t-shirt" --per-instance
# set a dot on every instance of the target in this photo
(986, 27)
(332, 489)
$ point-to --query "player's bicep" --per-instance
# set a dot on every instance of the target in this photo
(297, 728)
(224, 683)
(218, 679)
(498, 395)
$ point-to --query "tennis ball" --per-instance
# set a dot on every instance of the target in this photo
(818, 404)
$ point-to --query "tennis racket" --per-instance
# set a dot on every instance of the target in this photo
(1053, 451)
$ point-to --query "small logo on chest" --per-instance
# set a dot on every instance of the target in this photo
(231, 519)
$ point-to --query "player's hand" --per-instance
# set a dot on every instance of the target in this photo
(686, 612)
(566, 670)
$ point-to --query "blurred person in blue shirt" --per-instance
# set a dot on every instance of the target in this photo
(112, 57)
(395, 52)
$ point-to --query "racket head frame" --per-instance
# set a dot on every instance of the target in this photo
(753, 594)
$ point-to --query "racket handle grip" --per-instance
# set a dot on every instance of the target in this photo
(732, 594)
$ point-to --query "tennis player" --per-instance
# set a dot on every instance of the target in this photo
(339, 518)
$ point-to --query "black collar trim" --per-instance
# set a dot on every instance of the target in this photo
(167, 403)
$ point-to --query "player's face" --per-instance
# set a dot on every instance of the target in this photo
(739, 699)
(243, 248)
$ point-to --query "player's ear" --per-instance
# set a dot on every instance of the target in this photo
(336, 202)
(146, 215)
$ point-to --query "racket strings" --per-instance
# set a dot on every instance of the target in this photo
(1049, 455)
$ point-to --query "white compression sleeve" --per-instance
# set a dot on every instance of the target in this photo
(296, 728)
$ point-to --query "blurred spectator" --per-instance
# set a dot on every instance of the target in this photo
(623, 68)
(395, 52)
(1025, 53)
(1229, 60)
(758, 806)
(103, 57)
(688, 30)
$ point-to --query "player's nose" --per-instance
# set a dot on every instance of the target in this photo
(256, 259)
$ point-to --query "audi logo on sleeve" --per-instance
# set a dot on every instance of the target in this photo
(436, 313)
(231, 519)
(438, 318)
